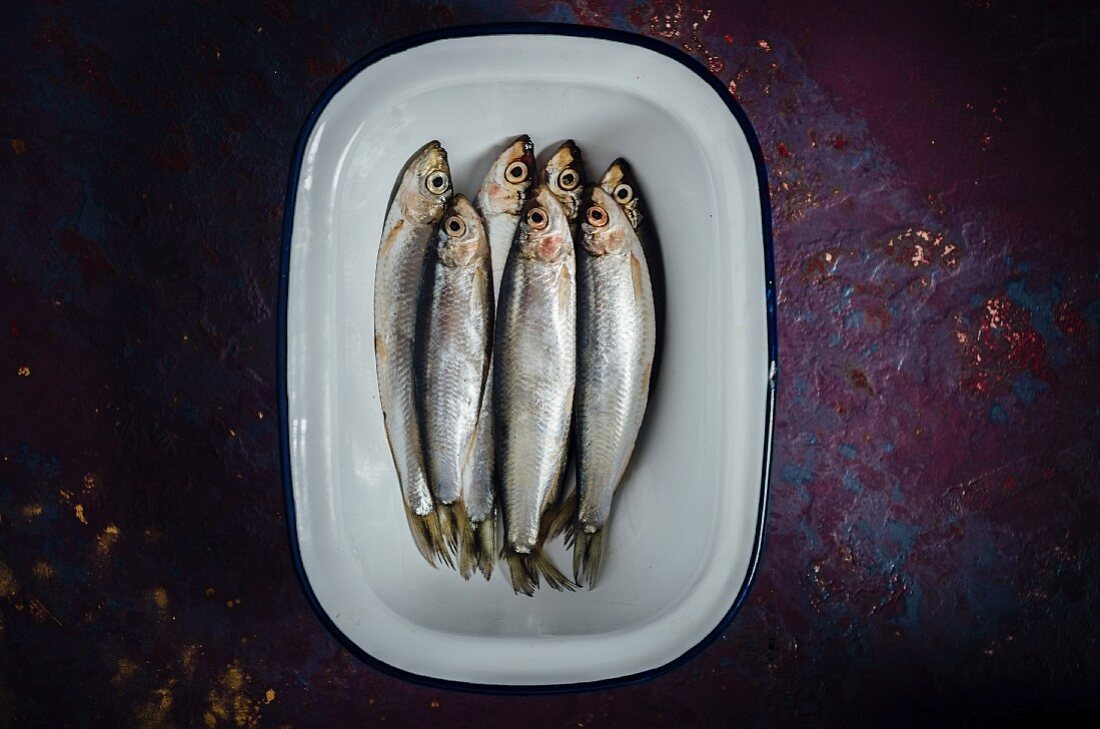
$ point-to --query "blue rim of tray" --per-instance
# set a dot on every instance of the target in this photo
(528, 28)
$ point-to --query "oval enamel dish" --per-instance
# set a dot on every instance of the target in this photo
(688, 522)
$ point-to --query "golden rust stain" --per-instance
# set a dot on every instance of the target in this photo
(23, 371)
(91, 482)
(269, 696)
(80, 513)
(42, 570)
(227, 701)
(106, 540)
(159, 597)
(19, 146)
(379, 346)
(389, 241)
(31, 511)
(636, 275)
(8, 584)
(208, 719)
(156, 712)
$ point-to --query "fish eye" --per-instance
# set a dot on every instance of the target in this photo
(437, 183)
(516, 172)
(455, 226)
(537, 218)
(569, 179)
(624, 193)
(597, 216)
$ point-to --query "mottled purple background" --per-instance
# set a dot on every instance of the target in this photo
(932, 539)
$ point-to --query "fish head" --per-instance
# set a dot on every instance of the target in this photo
(543, 233)
(510, 179)
(564, 175)
(619, 182)
(426, 185)
(606, 228)
(461, 240)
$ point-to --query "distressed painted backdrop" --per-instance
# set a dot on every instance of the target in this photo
(932, 543)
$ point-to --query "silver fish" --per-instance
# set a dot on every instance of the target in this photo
(500, 200)
(419, 197)
(616, 341)
(534, 370)
(501, 197)
(452, 359)
(620, 182)
(564, 175)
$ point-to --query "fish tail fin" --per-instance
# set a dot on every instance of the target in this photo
(526, 571)
(467, 558)
(551, 573)
(559, 519)
(447, 527)
(462, 537)
(587, 556)
(455, 529)
(487, 540)
(427, 536)
(523, 581)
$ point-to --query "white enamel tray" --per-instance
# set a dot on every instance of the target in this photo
(687, 525)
